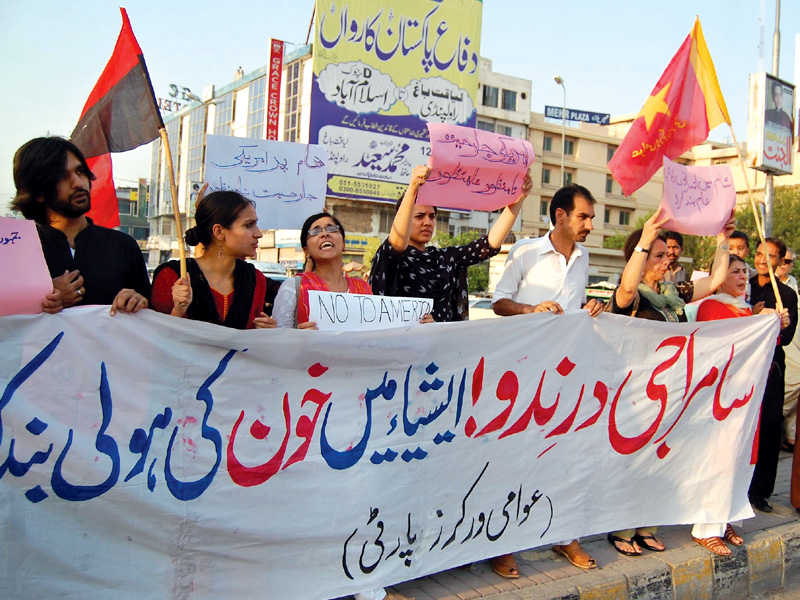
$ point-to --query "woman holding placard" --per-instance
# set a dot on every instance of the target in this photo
(322, 239)
(642, 293)
(405, 265)
(220, 287)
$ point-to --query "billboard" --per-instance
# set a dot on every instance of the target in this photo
(382, 70)
(770, 125)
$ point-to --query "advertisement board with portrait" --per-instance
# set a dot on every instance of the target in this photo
(770, 132)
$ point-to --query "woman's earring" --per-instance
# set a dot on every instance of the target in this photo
(219, 254)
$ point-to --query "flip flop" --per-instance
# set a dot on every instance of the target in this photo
(614, 540)
(643, 541)
(715, 544)
(732, 537)
(505, 566)
(573, 553)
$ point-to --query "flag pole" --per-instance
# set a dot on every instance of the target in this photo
(174, 192)
(759, 226)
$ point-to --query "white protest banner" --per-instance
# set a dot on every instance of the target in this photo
(334, 311)
(157, 457)
(697, 200)
(23, 269)
(287, 181)
(474, 169)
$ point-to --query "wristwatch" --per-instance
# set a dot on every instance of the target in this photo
(642, 250)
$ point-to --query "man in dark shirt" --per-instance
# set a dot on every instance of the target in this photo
(89, 264)
(769, 436)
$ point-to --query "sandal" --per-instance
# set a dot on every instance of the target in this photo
(505, 566)
(732, 537)
(615, 540)
(576, 555)
(644, 542)
(396, 596)
(715, 544)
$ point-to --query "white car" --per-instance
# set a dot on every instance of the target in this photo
(273, 270)
(480, 308)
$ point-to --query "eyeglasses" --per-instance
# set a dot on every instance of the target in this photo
(329, 228)
(788, 261)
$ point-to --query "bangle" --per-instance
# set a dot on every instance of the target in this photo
(722, 247)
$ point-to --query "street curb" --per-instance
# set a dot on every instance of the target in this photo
(769, 559)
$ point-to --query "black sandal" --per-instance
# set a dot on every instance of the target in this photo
(642, 540)
(614, 540)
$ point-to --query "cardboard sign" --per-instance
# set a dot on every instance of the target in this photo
(474, 169)
(334, 311)
(23, 271)
(698, 200)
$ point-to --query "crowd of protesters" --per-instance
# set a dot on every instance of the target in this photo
(95, 265)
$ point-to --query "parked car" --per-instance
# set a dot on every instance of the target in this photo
(273, 270)
(480, 308)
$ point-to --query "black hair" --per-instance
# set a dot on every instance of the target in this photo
(38, 167)
(741, 235)
(218, 208)
(310, 221)
(565, 199)
(779, 245)
(633, 241)
(674, 235)
(400, 201)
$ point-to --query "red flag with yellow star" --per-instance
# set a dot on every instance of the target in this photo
(683, 107)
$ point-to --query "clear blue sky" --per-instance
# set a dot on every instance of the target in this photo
(610, 54)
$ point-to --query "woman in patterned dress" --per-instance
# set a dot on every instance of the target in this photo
(405, 265)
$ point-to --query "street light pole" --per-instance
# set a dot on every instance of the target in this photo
(560, 82)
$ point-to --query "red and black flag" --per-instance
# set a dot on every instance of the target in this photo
(121, 114)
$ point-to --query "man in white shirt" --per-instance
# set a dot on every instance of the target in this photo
(550, 274)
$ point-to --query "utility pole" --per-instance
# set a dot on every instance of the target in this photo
(769, 187)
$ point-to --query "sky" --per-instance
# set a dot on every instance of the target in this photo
(609, 54)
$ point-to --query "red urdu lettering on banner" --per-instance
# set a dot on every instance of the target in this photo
(477, 387)
(305, 426)
(507, 390)
(721, 413)
(601, 393)
(250, 476)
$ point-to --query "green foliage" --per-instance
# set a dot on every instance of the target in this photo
(617, 241)
(478, 274)
(785, 222)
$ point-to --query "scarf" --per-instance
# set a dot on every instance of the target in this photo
(739, 302)
(667, 301)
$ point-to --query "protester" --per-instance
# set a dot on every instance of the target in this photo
(642, 293)
(89, 264)
(762, 295)
(405, 266)
(322, 239)
(675, 272)
(727, 303)
(220, 287)
(792, 373)
(740, 246)
(550, 274)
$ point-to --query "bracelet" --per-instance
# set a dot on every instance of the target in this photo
(722, 247)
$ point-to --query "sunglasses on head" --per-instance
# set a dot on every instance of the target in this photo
(315, 231)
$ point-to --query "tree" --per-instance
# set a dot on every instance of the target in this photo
(478, 275)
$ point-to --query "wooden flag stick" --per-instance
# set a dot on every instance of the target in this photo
(174, 192)
(759, 226)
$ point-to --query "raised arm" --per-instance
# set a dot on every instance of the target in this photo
(719, 270)
(401, 227)
(508, 217)
(634, 268)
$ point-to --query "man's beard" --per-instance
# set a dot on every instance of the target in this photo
(70, 211)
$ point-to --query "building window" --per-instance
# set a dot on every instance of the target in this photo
(223, 117)
(610, 152)
(607, 216)
(509, 100)
(490, 96)
(569, 147)
(386, 220)
(197, 134)
(609, 184)
(483, 125)
(624, 217)
(504, 130)
(544, 207)
(545, 175)
(125, 207)
(255, 108)
(291, 125)
(548, 143)
(567, 178)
